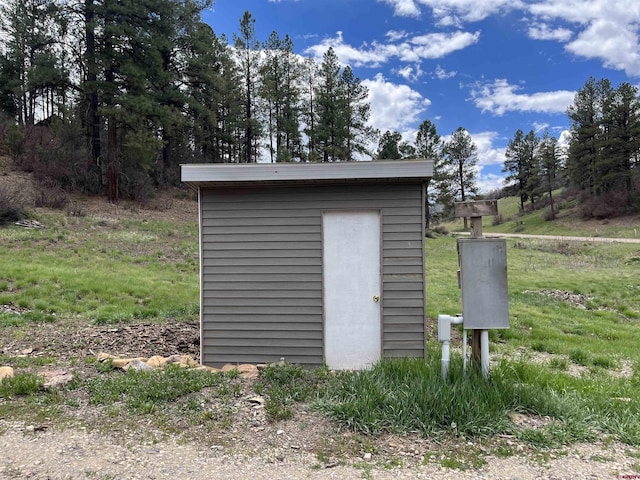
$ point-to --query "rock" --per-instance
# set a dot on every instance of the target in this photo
(280, 432)
(123, 362)
(183, 360)
(246, 370)
(157, 361)
(6, 372)
(59, 380)
(208, 368)
(55, 378)
(26, 351)
(259, 400)
(366, 456)
(137, 364)
(102, 356)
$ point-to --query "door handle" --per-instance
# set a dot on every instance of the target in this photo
(376, 298)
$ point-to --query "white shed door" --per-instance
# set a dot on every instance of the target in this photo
(351, 279)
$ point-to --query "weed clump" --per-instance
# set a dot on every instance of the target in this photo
(13, 205)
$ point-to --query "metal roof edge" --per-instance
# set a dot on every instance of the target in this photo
(221, 174)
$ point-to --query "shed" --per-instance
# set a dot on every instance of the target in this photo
(317, 263)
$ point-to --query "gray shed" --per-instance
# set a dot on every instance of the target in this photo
(317, 263)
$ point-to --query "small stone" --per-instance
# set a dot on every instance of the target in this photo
(58, 380)
(123, 362)
(157, 361)
(246, 370)
(30, 428)
(137, 364)
(103, 357)
(6, 372)
(367, 456)
(280, 432)
(26, 351)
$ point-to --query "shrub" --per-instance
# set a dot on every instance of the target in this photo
(13, 203)
(51, 198)
(549, 215)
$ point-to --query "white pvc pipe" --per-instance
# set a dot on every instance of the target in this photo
(445, 359)
(444, 336)
(484, 352)
(464, 349)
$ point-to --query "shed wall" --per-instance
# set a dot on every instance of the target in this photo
(262, 269)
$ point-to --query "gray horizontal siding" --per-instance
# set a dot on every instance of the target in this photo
(262, 270)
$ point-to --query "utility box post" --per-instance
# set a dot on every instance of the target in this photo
(475, 257)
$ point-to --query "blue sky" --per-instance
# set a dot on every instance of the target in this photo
(490, 66)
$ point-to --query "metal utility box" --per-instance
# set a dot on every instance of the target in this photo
(483, 280)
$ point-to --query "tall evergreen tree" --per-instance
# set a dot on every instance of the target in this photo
(389, 146)
(355, 114)
(460, 160)
(585, 148)
(549, 167)
(440, 190)
(280, 90)
(248, 49)
(329, 131)
(310, 109)
(521, 165)
(31, 66)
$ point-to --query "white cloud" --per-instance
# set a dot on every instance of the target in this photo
(395, 35)
(538, 127)
(411, 49)
(488, 154)
(404, 8)
(617, 46)
(410, 73)
(542, 31)
(393, 107)
(500, 97)
(607, 30)
(447, 11)
(442, 74)
(347, 54)
(489, 181)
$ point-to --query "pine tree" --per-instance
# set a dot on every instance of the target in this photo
(521, 164)
(280, 90)
(440, 193)
(355, 114)
(329, 129)
(549, 167)
(460, 160)
(248, 50)
(389, 146)
(31, 68)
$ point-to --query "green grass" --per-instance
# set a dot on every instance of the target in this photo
(410, 395)
(606, 327)
(145, 391)
(567, 223)
(22, 384)
(104, 271)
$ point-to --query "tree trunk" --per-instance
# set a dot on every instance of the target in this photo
(91, 97)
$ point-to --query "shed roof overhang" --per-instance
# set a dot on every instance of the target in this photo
(226, 175)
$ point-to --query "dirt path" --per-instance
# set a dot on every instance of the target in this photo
(560, 238)
(78, 454)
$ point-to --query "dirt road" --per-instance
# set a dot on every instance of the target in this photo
(561, 238)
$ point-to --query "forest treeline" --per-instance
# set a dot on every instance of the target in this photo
(117, 94)
(105, 96)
